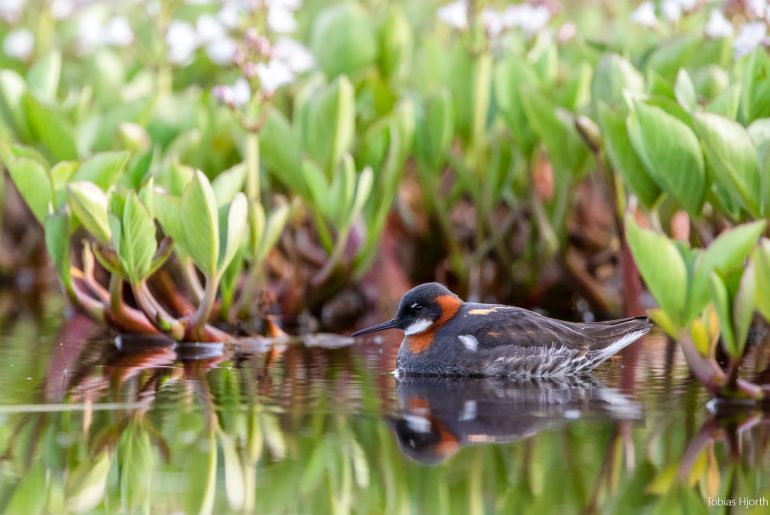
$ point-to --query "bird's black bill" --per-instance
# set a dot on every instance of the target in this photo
(390, 324)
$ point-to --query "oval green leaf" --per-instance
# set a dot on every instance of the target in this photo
(662, 268)
(670, 153)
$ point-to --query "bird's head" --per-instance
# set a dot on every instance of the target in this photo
(422, 309)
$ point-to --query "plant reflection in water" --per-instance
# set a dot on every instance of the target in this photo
(282, 427)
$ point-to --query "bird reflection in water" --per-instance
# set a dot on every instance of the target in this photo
(439, 415)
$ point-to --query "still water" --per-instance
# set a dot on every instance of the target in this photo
(98, 424)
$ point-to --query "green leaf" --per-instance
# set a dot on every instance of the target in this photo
(233, 229)
(200, 221)
(31, 495)
(317, 185)
(509, 78)
(614, 75)
(743, 307)
(176, 178)
(343, 40)
(32, 181)
(273, 228)
(168, 209)
(89, 205)
(761, 262)
(759, 130)
(279, 149)
(137, 463)
(435, 131)
(330, 123)
(623, 157)
(256, 227)
(103, 169)
(342, 190)
(57, 242)
(684, 91)
(137, 245)
(732, 157)
(51, 127)
(87, 483)
(12, 90)
(228, 183)
(671, 153)
(662, 268)
(363, 189)
(61, 174)
(726, 103)
(201, 475)
(395, 42)
(721, 300)
(234, 481)
(726, 254)
(43, 76)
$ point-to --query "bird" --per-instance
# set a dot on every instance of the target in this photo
(444, 336)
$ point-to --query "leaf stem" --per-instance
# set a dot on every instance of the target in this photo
(334, 258)
(155, 312)
(126, 317)
(201, 315)
(252, 167)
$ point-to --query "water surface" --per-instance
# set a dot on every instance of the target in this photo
(98, 424)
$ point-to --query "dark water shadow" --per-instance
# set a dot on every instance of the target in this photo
(439, 416)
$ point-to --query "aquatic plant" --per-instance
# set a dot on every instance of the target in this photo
(269, 148)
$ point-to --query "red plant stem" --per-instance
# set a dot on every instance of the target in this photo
(85, 302)
(708, 432)
(167, 289)
(704, 369)
(155, 313)
(124, 316)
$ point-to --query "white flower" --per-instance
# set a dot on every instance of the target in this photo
(89, 35)
(221, 51)
(645, 15)
(281, 19)
(152, 7)
(750, 37)
(529, 18)
(241, 92)
(672, 10)
(61, 9)
(286, 4)
(228, 15)
(718, 26)
(182, 42)
(493, 21)
(273, 75)
(455, 14)
(757, 8)
(294, 55)
(10, 10)
(236, 95)
(687, 5)
(19, 44)
(209, 29)
(118, 32)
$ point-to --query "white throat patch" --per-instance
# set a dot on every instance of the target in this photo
(417, 327)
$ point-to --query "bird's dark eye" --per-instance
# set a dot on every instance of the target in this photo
(416, 308)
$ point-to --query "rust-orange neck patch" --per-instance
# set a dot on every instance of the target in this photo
(450, 305)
